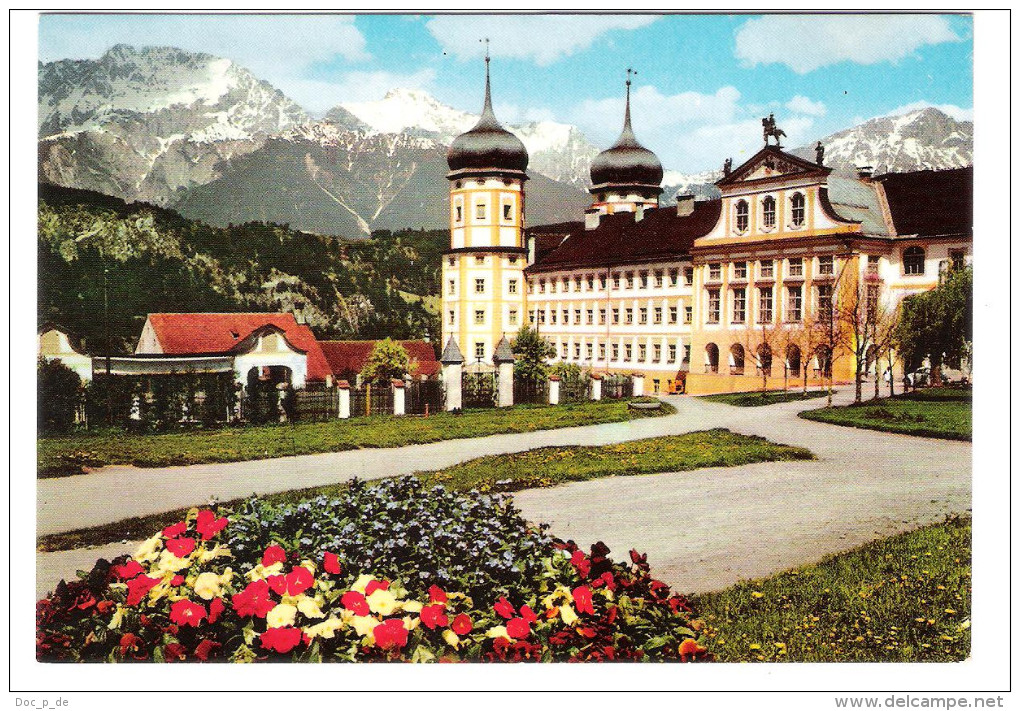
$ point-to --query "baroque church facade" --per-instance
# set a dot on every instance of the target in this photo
(715, 294)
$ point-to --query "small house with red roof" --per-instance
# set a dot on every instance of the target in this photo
(347, 358)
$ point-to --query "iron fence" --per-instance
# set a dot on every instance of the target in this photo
(422, 397)
(617, 386)
(478, 390)
(371, 399)
(531, 391)
(575, 389)
(316, 405)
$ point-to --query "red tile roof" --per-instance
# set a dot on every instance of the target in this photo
(180, 334)
(350, 356)
(931, 203)
(619, 239)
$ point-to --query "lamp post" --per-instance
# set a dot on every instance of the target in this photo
(106, 329)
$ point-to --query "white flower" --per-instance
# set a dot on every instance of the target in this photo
(283, 615)
(207, 586)
(309, 607)
(382, 602)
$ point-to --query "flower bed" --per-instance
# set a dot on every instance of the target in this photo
(201, 590)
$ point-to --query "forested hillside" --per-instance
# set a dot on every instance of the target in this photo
(156, 260)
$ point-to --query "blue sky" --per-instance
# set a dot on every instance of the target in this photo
(703, 81)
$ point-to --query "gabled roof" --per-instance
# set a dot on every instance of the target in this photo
(619, 239)
(73, 339)
(350, 356)
(786, 164)
(931, 203)
(183, 334)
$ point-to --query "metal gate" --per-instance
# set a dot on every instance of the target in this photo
(478, 389)
(316, 405)
(575, 389)
(423, 397)
(534, 391)
(371, 399)
(617, 386)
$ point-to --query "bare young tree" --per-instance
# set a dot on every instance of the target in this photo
(760, 344)
(855, 304)
(807, 338)
(831, 327)
(886, 322)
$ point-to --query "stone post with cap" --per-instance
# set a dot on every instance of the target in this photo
(453, 362)
(554, 390)
(639, 384)
(398, 396)
(504, 360)
(343, 393)
(596, 386)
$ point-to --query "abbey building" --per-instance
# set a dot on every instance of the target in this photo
(715, 294)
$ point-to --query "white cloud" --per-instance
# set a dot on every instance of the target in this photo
(807, 42)
(540, 38)
(803, 105)
(319, 96)
(957, 112)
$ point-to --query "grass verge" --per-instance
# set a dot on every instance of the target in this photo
(547, 466)
(943, 413)
(757, 399)
(66, 456)
(901, 599)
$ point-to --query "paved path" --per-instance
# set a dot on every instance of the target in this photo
(703, 530)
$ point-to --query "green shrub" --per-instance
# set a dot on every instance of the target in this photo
(60, 396)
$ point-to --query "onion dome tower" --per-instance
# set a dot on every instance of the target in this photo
(483, 271)
(627, 175)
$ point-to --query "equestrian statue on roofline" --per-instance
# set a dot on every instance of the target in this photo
(769, 128)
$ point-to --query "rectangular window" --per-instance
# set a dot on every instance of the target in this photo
(628, 352)
(672, 314)
(642, 353)
(616, 315)
(564, 353)
(577, 283)
(688, 276)
(602, 282)
(658, 280)
(512, 317)
(479, 350)
(796, 267)
(739, 270)
(616, 351)
(602, 351)
(616, 281)
(824, 301)
(630, 280)
(577, 351)
(479, 286)
(577, 317)
(452, 261)
(688, 314)
(825, 265)
(453, 317)
(630, 316)
(687, 353)
(765, 269)
(588, 350)
(507, 211)
(739, 305)
(541, 316)
(511, 286)
(480, 211)
(671, 350)
(765, 304)
(957, 258)
(552, 315)
(479, 316)
(566, 316)
(591, 317)
(602, 316)
(453, 287)
(541, 286)
(531, 317)
(644, 280)
(591, 283)
(715, 271)
(566, 285)
(794, 303)
(459, 212)
(872, 264)
(531, 287)
(713, 306)
(674, 275)
(642, 316)
(657, 315)
(552, 286)
(657, 352)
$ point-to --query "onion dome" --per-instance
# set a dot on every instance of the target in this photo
(487, 146)
(627, 162)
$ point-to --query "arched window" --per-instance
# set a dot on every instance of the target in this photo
(797, 207)
(712, 358)
(742, 216)
(736, 359)
(913, 260)
(823, 362)
(768, 211)
(764, 360)
(793, 360)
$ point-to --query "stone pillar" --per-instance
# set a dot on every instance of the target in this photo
(452, 385)
(554, 390)
(398, 396)
(596, 386)
(343, 393)
(639, 384)
(505, 393)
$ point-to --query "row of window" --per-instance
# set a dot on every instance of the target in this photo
(742, 213)
(657, 314)
(482, 212)
(766, 313)
(824, 266)
(511, 286)
(479, 317)
(657, 279)
(480, 260)
(622, 351)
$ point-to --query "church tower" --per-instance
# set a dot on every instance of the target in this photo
(483, 271)
(627, 176)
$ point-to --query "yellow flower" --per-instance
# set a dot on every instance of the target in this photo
(382, 602)
(567, 614)
(451, 638)
(757, 594)
(309, 607)
(324, 629)
(147, 551)
(218, 551)
(207, 586)
(260, 573)
(282, 615)
(361, 583)
(363, 624)
(118, 617)
(168, 562)
(497, 631)
(412, 606)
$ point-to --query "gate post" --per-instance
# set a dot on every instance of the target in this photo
(639, 384)
(398, 396)
(452, 361)
(596, 386)
(343, 392)
(504, 360)
(554, 390)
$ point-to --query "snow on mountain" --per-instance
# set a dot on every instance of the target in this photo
(701, 185)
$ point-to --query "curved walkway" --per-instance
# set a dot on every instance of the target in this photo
(702, 529)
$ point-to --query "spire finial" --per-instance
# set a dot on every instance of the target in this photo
(626, 116)
(488, 93)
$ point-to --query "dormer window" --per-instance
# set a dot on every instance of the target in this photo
(797, 207)
(742, 216)
(459, 213)
(507, 211)
(768, 212)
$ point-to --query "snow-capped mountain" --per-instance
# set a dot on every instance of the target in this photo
(701, 185)
(557, 150)
(926, 138)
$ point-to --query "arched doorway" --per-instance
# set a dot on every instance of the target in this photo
(793, 360)
(736, 359)
(711, 358)
(764, 359)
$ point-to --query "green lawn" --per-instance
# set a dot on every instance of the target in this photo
(902, 599)
(756, 399)
(64, 456)
(535, 468)
(944, 413)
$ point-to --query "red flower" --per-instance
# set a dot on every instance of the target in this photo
(586, 632)
(129, 570)
(503, 608)
(437, 594)
(355, 602)
(582, 599)
(391, 634)
(376, 585)
(690, 648)
(175, 530)
(281, 639)
(433, 616)
(207, 525)
(273, 554)
(186, 612)
(461, 624)
(177, 580)
(331, 563)
(175, 652)
(528, 615)
(129, 642)
(84, 600)
(293, 584)
(608, 579)
(139, 587)
(104, 606)
(216, 608)
(181, 547)
(581, 563)
(205, 648)
(253, 600)
(518, 628)
(613, 612)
